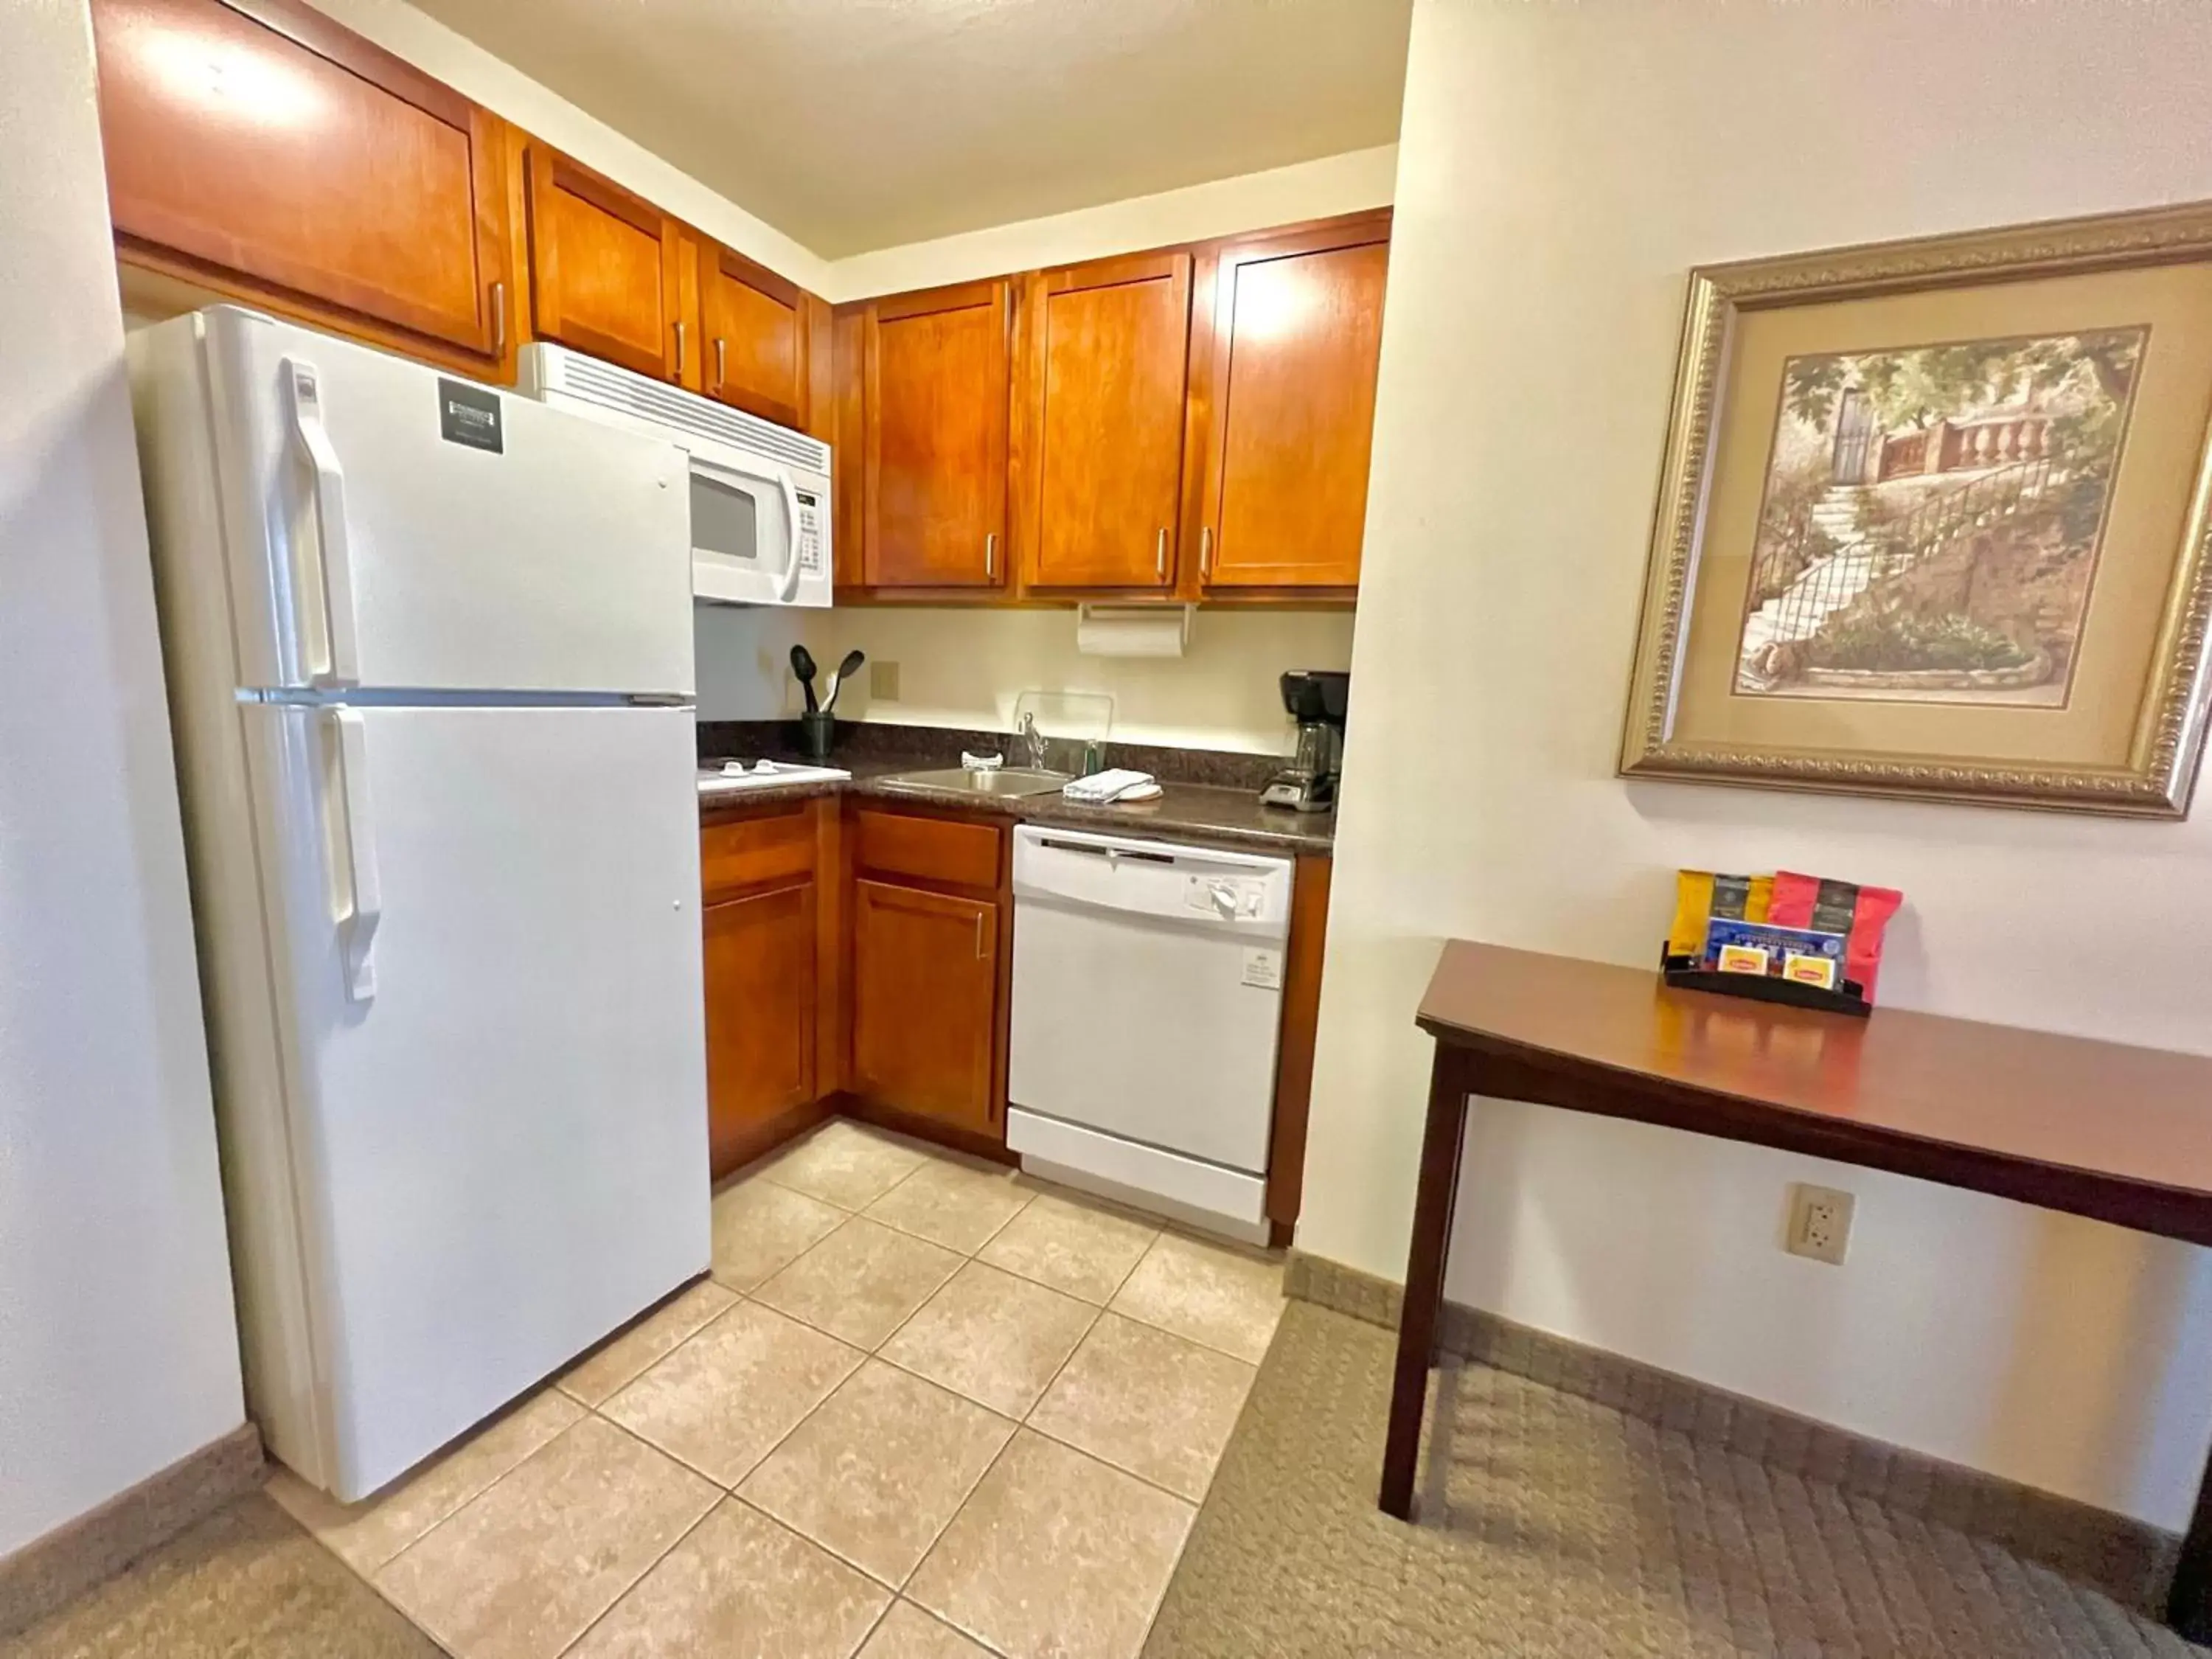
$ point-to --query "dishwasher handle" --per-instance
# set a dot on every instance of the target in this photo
(1105, 851)
(1165, 883)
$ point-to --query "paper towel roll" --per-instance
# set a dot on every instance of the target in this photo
(1132, 630)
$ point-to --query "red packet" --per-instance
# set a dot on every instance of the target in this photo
(1858, 913)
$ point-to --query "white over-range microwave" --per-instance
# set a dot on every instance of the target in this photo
(760, 492)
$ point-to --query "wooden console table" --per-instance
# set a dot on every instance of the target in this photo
(2117, 1134)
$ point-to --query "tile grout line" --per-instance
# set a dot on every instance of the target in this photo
(971, 1255)
(731, 1490)
(1199, 1341)
(675, 1544)
(473, 1499)
(946, 1618)
(898, 1589)
(930, 1295)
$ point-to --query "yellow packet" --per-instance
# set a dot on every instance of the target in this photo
(1694, 908)
(1762, 895)
(1700, 896)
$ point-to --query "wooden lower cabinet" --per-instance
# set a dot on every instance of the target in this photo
(762, 993)
(925, 1003)
(773, 885)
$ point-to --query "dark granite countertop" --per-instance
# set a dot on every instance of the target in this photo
(1208, 813)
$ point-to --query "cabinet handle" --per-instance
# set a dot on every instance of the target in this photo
(991, 557)
(721, 362)
(1160, 555)
(980, 952)
(679, 349)
(1205, 551)
(499, 319)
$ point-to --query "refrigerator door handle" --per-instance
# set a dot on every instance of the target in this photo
(342, 666)
(790, 590)
(363, 903)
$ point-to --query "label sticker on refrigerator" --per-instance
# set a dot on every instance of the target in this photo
(1263, 967)
(469, 415)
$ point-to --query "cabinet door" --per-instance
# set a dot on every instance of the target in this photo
(924, 989)
(1099, 454)
(257, 148)
(607, 270)
(1298, 332)
(935, 369)
(761, 1001)
(757, 334)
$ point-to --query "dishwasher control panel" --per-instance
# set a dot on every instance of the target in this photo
(1229, 897)
(1245, 893)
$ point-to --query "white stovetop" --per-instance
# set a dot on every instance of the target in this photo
(736, 775)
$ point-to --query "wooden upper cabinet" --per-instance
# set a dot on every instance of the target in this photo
(257, 148)
(1298, 330)
(1099, 441)
(935, 369)
(611, 274)
(758, 337)
(925, 990)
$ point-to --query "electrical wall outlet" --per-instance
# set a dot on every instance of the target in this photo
(1820, 1224)
(883, 682)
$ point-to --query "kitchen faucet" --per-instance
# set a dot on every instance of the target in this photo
(1033, 740)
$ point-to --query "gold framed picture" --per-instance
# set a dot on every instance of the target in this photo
(1933, 521)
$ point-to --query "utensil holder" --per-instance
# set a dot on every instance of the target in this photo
(817, 734)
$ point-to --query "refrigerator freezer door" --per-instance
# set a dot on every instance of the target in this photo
(389, 527)
(496, 1089)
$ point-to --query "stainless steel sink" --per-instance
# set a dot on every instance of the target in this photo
(959, 780)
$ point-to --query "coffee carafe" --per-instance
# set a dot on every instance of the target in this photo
(1316, 699)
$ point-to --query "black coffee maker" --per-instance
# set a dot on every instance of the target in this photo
(1315, 698)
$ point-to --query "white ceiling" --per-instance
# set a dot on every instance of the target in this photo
(853, 124)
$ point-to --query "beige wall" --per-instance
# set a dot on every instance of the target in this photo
(1347, 183)
(1560, 169)
(966, 668)
(119, 1349)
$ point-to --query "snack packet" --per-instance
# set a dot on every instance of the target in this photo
(1860, 914)
(1702, 897)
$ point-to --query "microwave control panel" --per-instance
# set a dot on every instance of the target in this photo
(810, 531)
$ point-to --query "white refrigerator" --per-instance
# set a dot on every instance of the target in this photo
(428, 647)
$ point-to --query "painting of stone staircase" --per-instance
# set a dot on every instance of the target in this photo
(1932, 517)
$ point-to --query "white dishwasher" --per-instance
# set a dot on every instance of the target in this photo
(1147, 999)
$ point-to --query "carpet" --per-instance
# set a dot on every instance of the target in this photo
(1555, 1527)
(245, 1581)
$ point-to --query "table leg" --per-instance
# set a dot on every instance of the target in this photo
(1433, 1201)
(2189, 1604)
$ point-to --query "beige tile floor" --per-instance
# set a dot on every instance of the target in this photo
(923, 1409)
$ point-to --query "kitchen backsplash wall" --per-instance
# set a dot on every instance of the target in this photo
(966, 668)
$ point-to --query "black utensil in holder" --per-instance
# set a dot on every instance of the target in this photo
(1685, 973)
(817, 734)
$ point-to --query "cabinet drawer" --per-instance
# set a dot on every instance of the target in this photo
(929, 849)
(741, 852)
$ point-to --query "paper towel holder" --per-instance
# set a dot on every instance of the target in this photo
(1104, 629)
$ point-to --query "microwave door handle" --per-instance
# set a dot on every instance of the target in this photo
(790, 590)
